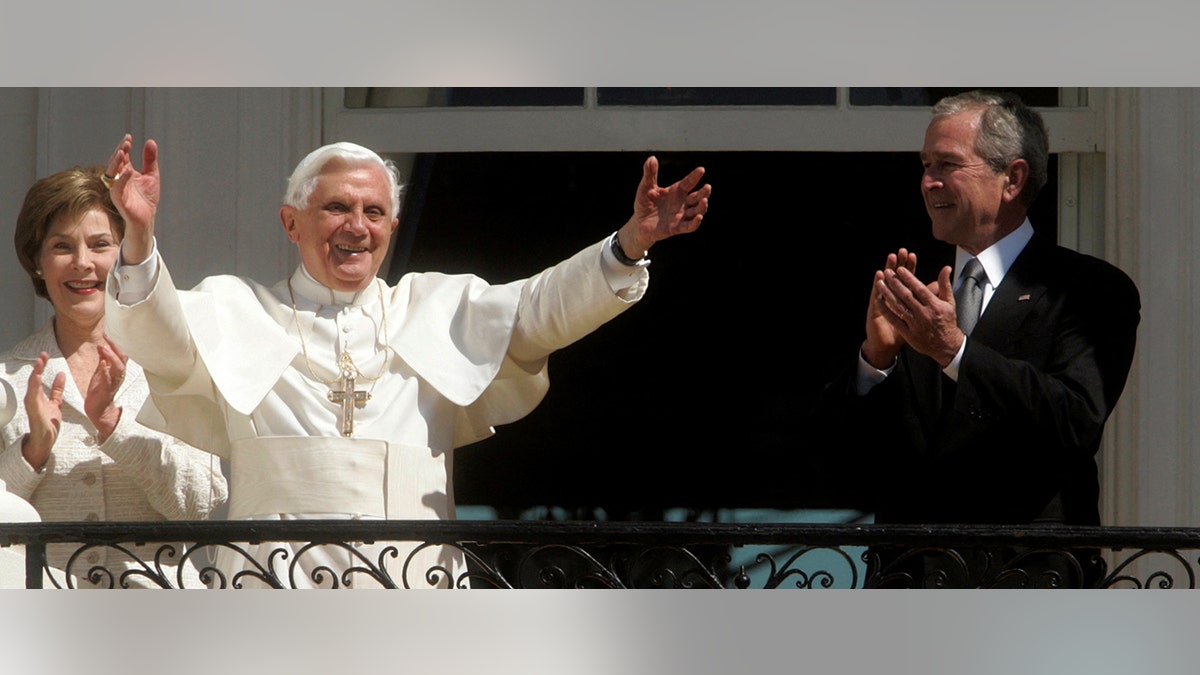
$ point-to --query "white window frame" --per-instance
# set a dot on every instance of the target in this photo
(590, 127)
(1077, 135)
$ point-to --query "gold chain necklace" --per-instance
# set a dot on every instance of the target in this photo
(348, 372)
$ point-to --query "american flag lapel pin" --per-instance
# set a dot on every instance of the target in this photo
(1023, 298)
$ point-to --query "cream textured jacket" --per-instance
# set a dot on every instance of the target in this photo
(135, 474)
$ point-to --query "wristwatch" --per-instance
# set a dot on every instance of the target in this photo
(620, 253)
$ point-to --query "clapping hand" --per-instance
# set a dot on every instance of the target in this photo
(45, 413)
(103, 387)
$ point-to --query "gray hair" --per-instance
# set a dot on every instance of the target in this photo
(304, 179)
(1008, 130)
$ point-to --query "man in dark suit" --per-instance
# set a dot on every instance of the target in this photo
(990, 415)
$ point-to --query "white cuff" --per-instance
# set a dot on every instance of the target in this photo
(868, 375)
(951, 369)
(619, 275)
(134, 282)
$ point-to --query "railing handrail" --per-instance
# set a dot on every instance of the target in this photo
(639, 532)
(615, 554)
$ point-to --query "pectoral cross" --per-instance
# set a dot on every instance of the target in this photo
(347, 396)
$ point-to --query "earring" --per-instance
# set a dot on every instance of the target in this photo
(39, 273)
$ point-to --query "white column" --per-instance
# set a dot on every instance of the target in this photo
(18, 170)
(226, 155)
(1166, 376)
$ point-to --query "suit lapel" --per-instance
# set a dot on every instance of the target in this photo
(1015, 297)
(1002, 320)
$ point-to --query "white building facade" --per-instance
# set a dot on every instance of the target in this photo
(1129, 160)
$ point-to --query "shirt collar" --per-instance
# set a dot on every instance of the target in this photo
(305, 286)
(997, 258)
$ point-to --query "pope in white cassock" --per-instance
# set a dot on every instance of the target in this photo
(334, 395)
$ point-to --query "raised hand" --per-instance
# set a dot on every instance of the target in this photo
(136, 195)
(44, 412)
(662, 212)
(103, 387)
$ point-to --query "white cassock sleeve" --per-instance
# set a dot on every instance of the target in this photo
(483, 347)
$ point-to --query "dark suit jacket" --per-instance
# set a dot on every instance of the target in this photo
(1014, 440)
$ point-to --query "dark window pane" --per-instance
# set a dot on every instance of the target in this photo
(728, 427)
(456, 97)
(716, 96)
(1041, 97)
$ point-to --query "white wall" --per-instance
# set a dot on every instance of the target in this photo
(224, 153)
(1168, 362)
(18, 170)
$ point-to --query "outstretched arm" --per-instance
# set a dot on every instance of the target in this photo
(662, 212)
(135, 194)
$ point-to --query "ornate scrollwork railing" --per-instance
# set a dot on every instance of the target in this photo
(585, 554)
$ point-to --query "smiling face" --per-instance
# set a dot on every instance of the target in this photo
(74, 260)
(344, 231)
(968, 201)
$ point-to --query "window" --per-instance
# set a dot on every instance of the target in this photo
(747, 317)
(461, 97)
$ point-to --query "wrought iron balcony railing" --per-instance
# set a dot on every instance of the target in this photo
(585, 554)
